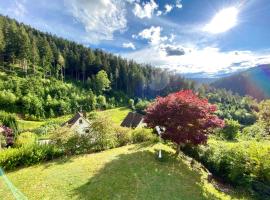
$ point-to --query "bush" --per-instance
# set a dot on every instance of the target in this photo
(141, 105)
(254, 132)
(231, 129)
(102, 134)
(26, 138)
(9, 120)
(131, 104)
(241, 164)
(143, 135)
(27, 155)
(123, 135)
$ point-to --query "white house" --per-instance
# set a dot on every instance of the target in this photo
(79, 123)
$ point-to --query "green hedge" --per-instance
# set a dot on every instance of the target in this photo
(27, 155)
(245, 164)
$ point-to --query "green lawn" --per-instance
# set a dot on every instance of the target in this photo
(117, 115)
(29, 125)
(130, 172)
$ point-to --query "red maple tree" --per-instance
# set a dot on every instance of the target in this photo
(185, 117)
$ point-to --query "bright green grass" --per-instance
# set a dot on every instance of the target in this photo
(117, 115)
(29, 125)
(130, 172)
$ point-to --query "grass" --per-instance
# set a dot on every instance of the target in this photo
(130, 172)
(117, 115)
(25, 125)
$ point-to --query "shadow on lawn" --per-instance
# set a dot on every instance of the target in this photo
(141, 176)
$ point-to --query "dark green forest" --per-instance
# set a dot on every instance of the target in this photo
(43, 75)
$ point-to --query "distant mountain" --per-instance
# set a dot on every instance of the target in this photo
(254, 82)
(204, 80)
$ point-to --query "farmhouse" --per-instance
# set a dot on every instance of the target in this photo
(79, 123)
(133, 120)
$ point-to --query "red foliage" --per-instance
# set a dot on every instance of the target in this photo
(185, 117)
(8, 134)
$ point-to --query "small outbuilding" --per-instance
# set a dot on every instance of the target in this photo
(133, 120)
(79, 123)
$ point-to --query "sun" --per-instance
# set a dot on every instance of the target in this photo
(223, 21)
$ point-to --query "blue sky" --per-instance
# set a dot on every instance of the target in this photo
(195, 37)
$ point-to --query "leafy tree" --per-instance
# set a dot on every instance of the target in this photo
(61, 65)
(187, 119)
(101, 82)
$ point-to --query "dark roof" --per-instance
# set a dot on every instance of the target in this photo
(132, 120)
(73, 119)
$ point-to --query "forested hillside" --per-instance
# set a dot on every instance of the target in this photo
(253, 82)
(43, 75)
(34, 51)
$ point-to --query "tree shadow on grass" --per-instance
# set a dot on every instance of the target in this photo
(141, 175)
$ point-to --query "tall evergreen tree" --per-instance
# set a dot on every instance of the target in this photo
(23, 48)
(34, 55)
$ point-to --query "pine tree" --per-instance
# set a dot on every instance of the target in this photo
(2, 45)
(46, 55)
(11, 35)
(23, 50)
(34, 55)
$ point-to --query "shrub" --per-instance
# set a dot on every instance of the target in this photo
(241, 164)
(27, 155)
(102, 134)
(9, 120)
(26, 138)
(231, 129)
(123, 135)
(254, 132)
(141, 105)
(142, 135)
(131, 104)
(47, 128)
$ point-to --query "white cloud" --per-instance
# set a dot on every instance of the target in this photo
(129, 45)
(178, 4)
(208, 60)
(153, 35)
(100, 18)
(146, 10)
(168, 8)
(159, 13)
(18, 9)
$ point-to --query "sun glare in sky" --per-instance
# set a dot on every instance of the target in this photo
(223, 21)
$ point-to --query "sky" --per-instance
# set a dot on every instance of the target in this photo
(197, 38)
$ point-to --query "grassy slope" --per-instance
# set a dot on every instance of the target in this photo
(129, 172)
(117, 115)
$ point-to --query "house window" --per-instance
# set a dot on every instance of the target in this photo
(80, 121)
